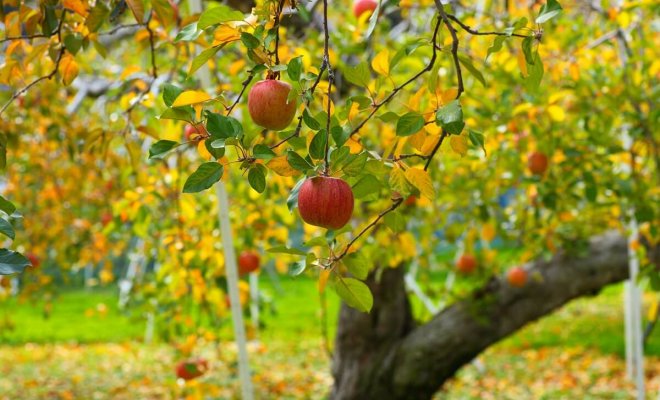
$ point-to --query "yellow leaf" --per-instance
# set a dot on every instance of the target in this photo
(459, 144)
(398, 181)
(281, 167)
(417, 140)
(68, 69)
(653, 311)
(488, 232)
(556, 113)
(381, 63)
(191, 97)
(225, 34)
(76, 6)
(323, 279)
(137, 8)
(422, 181)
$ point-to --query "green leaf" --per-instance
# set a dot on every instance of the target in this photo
(340, 135)
(188, 33)
(373, 20)
(287, 250)
(72, 42)
(206, 175)
(250, 41)
(367, 185)
(357, 264)
(356, 165)
(217, 15)
(182, 114)
(409, 124)
(295, 68)
(263, 152)
(220, 126)
(7, 206)
(450, 117)
(6, 229)
(395, 221)
(398, 181)
(359, 74)
(317, 145)
(161, 146)
(389, 117)
(170, 93)
(316, 242)
(202, 58)
(548, 11)
(467, 63)
(535, 74)
(496, 46)
(590, 188)
(216, 151)
(257, 179)
(527, 44)
(292, 200)
(355, 293)
(97, 16)
(297, 162)
(12, 262)
(310, 121)
(477, 139)
(297, 267)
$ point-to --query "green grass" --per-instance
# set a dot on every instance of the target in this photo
(295, 314)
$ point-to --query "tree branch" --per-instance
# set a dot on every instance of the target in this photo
(454, 47)
(477, 33)
(60, 54)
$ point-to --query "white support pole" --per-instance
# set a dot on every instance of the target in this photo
(232, 282)
(633, 295)
(254, 301)
(247, 391)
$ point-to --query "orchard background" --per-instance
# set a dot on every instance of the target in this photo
(409, 184)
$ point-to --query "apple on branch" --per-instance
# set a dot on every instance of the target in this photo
(326, 202)
(269, 104)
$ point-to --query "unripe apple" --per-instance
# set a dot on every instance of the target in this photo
(537, 163)
(362, 6)
(191, 369)
(248, 261)
(268, 105)
(34, 259)
(326, 202)
(517, 277)
(466, 263)
(195, 132)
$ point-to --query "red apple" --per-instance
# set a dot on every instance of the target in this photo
(362, 6)
(191, 369)
(106, 218)
(410, 200)
(537, 163)
(466, 263)
(268, 105)
(248, 261)
(326, 202)
(517, 277)
(195, 132)
(34, 259)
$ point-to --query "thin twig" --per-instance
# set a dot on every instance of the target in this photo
(118, 28)
(397, 89)
(475, 32)
(395, 204)
(278, 16)
(60, 54)
(435, 150)
(154, 69)
(246, 82)
(29, 37)
(454, 47)
(326, 61)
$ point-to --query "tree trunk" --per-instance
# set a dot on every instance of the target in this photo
(382, 355)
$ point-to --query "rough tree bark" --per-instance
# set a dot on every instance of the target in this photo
(382, 355)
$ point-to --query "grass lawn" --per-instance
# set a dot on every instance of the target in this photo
(82, 351)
